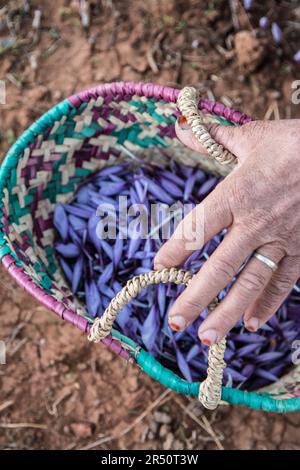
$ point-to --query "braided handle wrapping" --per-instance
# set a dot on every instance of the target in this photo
(210, 390)
(187, 103)
(102, 326)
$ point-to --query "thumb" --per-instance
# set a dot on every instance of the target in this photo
(231, 137)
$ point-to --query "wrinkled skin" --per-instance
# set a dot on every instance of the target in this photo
(260, 204)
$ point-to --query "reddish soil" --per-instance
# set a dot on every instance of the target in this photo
(57, 391)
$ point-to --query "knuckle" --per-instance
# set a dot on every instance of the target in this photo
(252, 281)
(274, 250)
(275, 292)
(191, 304)
(267, 303)
(282, 285)
(222, 268)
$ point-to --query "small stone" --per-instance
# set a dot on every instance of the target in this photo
(150, 436)
(153, 426)
(167, 445)
(178, 445)
(162, 418)
(132, 383)
(195, 43)
(249, 50)
(82, 430)
(144, 434)
(57, 95)
(66, 430)
(164, 430)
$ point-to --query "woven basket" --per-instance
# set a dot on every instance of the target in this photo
(47, 163)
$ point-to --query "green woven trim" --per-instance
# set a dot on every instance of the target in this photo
(255, 400)
(258, 401)
(124, 339)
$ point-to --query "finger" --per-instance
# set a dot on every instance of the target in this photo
(200, 225)
(249, 285)
(214, 275)
(228, 136)
(277, 290)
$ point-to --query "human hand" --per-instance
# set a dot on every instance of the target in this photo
(260, 204)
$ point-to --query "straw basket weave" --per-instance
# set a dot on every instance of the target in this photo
(77, 137)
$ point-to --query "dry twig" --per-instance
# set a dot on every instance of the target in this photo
(23, 425)
(66, 393)
(151, 52)
(203, 423)
(17, 347)
(6, 405)
(272, 110)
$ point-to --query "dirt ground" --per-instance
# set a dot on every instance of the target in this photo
(57, 391)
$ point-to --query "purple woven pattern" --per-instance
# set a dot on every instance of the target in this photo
(53, 166)
(159, 92)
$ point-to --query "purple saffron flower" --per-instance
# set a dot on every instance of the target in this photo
(60, 221)
(247, 4)
(276, 33)
(264, 22)
(297, 57)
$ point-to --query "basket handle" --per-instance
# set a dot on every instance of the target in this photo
(210, 389)
(187, 103)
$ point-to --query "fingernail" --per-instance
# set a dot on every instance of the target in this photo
(158, 267)
(252, 324)
(182, 122)
(209, 337)
(177, 323)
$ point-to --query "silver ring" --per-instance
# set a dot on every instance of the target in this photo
(271, 264)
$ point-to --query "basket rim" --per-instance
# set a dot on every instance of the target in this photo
(116, 342)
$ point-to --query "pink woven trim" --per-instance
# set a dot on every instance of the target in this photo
(152, 90)
(24, 281)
